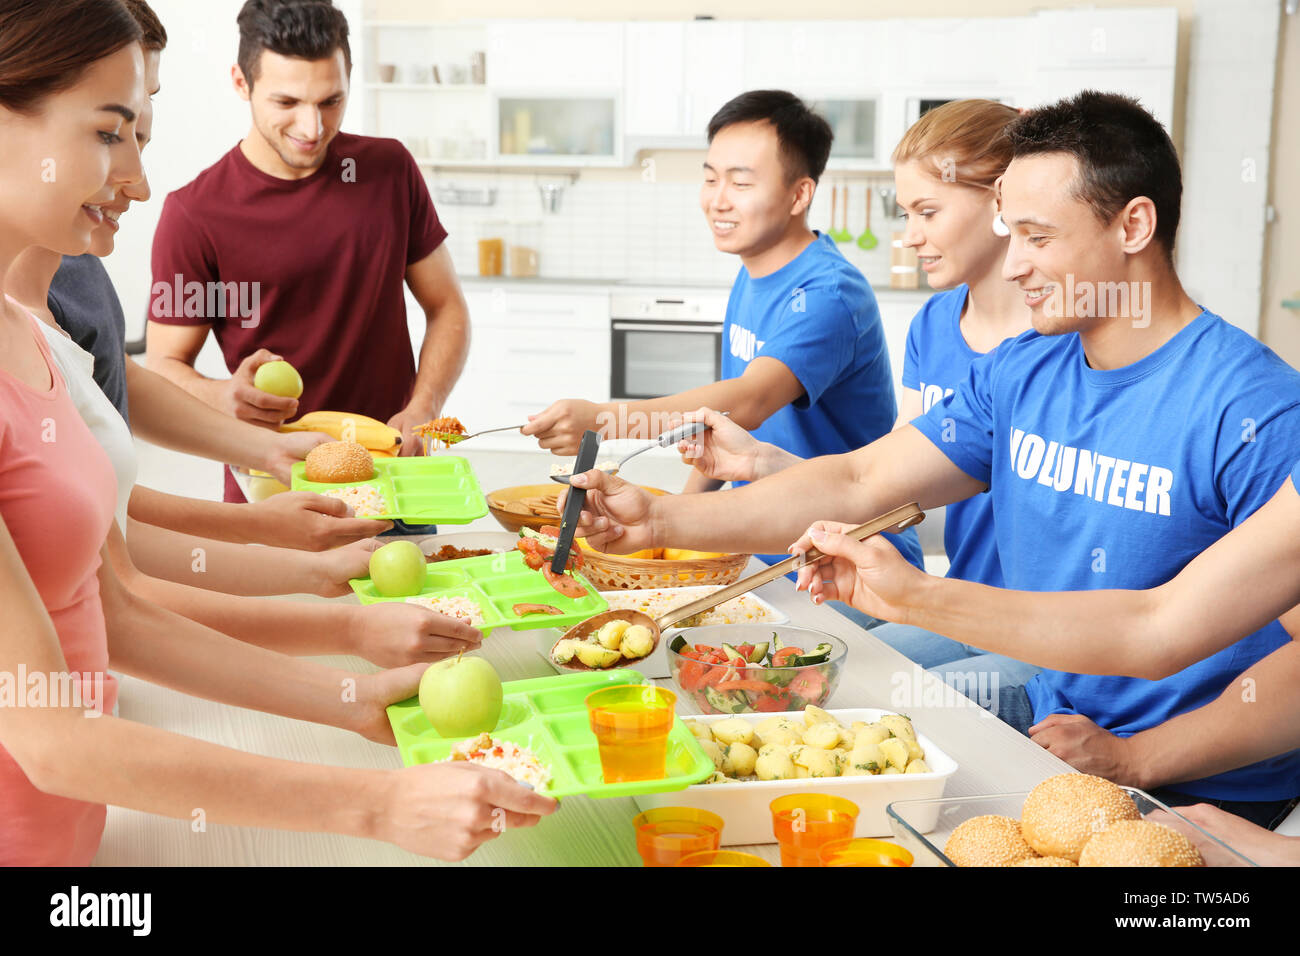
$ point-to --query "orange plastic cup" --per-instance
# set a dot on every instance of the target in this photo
(863, 852)
(631, 723)
(722, 858)
(804, 822)
(667, 834)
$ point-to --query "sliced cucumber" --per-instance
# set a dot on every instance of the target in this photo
(733, 656)
(678, 644)
(758, 653)
(819, 655)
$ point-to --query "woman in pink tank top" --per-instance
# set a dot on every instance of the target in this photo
(71, 85)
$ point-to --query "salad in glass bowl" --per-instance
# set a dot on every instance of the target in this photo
(756, 668)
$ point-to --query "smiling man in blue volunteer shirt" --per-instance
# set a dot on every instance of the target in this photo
(1124, 435)
(804, 360)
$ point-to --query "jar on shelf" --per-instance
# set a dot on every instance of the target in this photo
(491, 248)
(525, 246)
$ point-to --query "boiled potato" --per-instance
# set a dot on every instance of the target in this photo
(815, 715)
(715, 753)
(848, 737)
(733, 730)
(774, 749)
(699, 730)
(818, 762)
(891, 770)
(898, 725)
(917, 766)
(872, 733)
(895, 752)
(914, 751)
(738, 760)
(611, 634)
(637, 642)
(718, 777)
(786, 734)
(866, 757)
(771, 723)
(823, 735)
(775, 764)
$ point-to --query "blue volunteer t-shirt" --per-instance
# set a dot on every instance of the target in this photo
(1117, 479)
(817, 316)
(936, 361)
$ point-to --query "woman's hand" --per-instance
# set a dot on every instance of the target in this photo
(333, 569)
(311, 522)
(870, 575)
(394, 634)
(448, 810)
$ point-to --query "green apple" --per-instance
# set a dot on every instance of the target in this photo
(398, 569)
(278, 378)
(461, 696)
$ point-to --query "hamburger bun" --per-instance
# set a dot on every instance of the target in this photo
(337, 462)
(1045, 861)
(1140, 843)
(987, 840)
(1064, 812)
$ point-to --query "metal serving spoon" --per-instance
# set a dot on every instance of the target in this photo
(667, 439)
(894, 521)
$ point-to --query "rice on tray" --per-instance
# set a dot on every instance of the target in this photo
(365, 500)
(520, 762)
(461, 608)
(657, 603)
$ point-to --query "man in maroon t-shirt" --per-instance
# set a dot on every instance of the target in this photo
(296, 244)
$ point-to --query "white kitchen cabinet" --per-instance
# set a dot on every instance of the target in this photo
(654, 79)
(817, 57)
(555, 54)
(527, 350)
(715, 71)
(1122, 39)
(1152, 87)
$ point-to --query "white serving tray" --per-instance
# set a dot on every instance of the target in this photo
(656, 665)
(744, 806)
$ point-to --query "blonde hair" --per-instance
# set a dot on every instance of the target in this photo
(964, 140)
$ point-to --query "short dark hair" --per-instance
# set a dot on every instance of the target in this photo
(307, 29)
(1122, 150)
(155, 37)
(803, 137)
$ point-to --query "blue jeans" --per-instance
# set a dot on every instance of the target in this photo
(1000, 680)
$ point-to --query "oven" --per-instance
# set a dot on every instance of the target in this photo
(664, 344)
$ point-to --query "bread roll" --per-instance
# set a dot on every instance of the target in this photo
(337, 462)
(987, 840)
(1064, 812)
(1140, 843)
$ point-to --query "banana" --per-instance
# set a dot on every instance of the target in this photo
(345, 426)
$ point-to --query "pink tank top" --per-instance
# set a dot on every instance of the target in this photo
(57, 491)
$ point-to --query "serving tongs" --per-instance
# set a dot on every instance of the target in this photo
(666, 440)
(893, 522)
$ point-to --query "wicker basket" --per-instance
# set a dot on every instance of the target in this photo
(613, 572)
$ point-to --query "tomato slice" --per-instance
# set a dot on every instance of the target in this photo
(772, 704)
(784, 654)
(563, 584)
(745, 650)
(691, 675)
(705, 648)
(810, 685)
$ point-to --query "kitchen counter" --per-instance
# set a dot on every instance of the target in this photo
(991, 756)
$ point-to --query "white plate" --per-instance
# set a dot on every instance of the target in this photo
(466, 540)
(744, 806)
(656, 665)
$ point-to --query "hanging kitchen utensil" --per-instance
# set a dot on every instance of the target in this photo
(868, 238)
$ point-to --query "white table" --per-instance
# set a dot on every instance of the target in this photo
(992, 757)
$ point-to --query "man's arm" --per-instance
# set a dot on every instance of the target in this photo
(766, 386)
(768, 515)
(433, 282)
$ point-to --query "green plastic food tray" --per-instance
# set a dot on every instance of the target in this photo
(548, 715)
(497, 582)
(440, 489)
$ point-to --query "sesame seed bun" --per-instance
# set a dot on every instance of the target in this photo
(1045, 861)
(1063, 813)
(1140, 843)
(335, 462)
(988, 840)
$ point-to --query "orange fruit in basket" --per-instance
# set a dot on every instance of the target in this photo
(680, 554)
(649, 554)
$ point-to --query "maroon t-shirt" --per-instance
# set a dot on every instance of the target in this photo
(317, 264)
